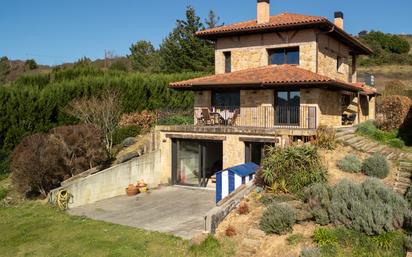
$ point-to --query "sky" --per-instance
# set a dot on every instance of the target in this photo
(57, 31)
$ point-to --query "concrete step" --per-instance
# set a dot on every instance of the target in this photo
(401, 185)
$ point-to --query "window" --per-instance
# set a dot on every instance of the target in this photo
(284, 56)
(228, 62)
(226, 98)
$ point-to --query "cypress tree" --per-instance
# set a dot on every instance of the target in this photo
(182, 51)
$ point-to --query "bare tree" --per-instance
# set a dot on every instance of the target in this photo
(103, 111)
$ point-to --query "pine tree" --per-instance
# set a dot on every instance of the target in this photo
(144, 57)
(212, 20)
(182, 51)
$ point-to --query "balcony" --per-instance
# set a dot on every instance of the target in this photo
(300, 117)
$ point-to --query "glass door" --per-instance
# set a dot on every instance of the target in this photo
(195, 161)
(287, 108)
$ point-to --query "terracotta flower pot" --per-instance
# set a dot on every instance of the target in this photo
(132, 190)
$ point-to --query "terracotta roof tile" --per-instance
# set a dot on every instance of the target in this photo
(285, 21)
(281, 20)
(267, 76)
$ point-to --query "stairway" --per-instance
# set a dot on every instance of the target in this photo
(348, 137)
(403, 178)
(251, 243)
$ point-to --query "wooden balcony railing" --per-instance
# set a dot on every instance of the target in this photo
(300, 117)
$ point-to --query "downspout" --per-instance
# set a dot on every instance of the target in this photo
(317, 46)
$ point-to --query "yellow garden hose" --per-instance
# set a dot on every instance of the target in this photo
(62, 199)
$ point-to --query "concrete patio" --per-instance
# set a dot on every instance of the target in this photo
(176, 210)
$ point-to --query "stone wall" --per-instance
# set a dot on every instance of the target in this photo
(328, 105)
(251, 51)
(329, 50)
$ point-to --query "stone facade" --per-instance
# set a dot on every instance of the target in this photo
(233, 147)
(317, 52)
(251, 51)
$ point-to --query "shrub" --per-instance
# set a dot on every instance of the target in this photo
(408, 196)
(326, 137)
(145, 119)
(295, 239)
(121, 133)
(395, 111)
(230, 231)
(243, 208)
(408, 243)
(396, 142)
(324, 236)
(295, 167)
(310, 252)
(318, 197)
(345, 242)
(41, 161)
(177, 120)
(350, 163)
(376, 166)
(4, 163)
(3, 193)
(371, 207)
(277, 219)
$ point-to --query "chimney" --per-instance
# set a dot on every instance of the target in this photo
(263, 11)
(339, 19)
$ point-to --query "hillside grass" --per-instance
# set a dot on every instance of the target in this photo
(35, 229)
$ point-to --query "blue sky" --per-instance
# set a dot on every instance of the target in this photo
(57, 31)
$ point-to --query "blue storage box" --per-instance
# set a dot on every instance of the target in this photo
(230, 179)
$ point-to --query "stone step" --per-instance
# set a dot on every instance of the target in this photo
(402, 185)
(403, 180)
(370, 146)
(361, 144)
(407, 165)
(354, 140)
(392, 156)
(404, 174)
(345, 136)
(377, 149)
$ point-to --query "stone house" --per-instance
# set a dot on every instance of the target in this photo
(277, 78)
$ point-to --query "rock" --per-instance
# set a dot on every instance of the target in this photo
(127, 157)
(303, 215)
(251, 243)
(129, 141)
(256, 233)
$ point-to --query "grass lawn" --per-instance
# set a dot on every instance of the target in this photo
(35, 229)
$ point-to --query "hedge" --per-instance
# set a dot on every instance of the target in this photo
(30, 105)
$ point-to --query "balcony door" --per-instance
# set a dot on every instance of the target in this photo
(287, 108)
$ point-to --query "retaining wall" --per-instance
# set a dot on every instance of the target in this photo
(113, 181)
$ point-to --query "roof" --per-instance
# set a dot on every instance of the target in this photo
(285, 21)
(266, 77)
(244, 169)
